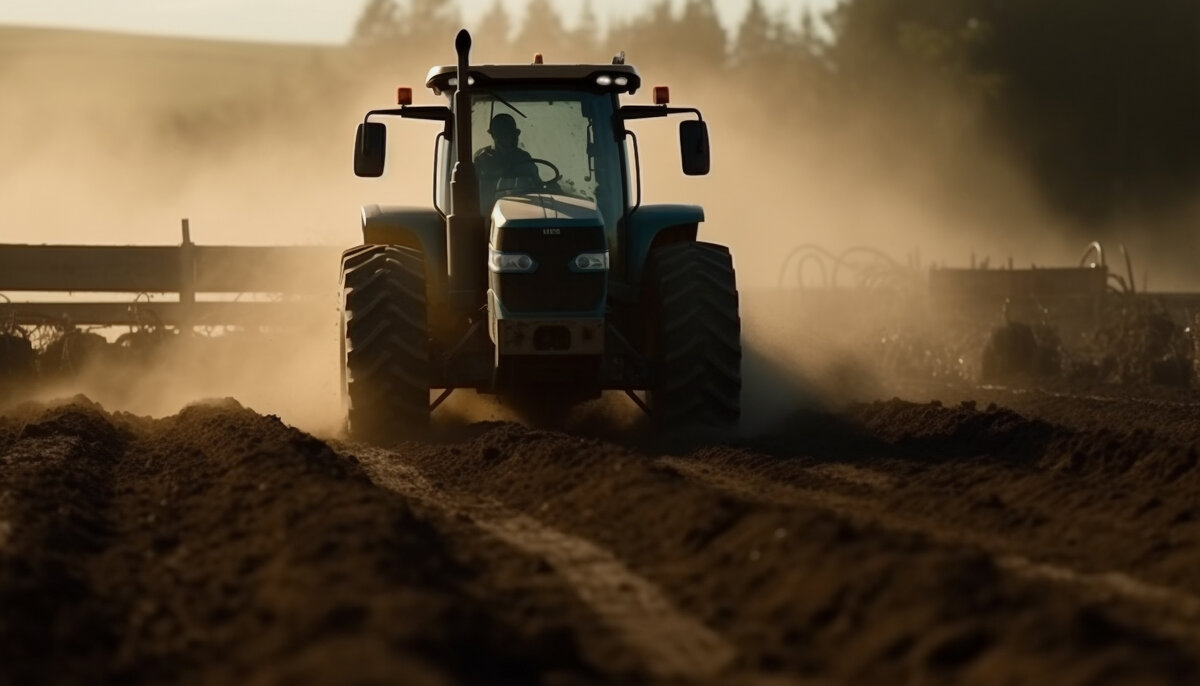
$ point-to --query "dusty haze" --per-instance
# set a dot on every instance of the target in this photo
(112, 140)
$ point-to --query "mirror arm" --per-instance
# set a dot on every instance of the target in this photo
(426, 112)
(627, 112)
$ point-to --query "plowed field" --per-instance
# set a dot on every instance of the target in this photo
(995, 537)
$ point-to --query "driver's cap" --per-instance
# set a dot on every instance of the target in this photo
(503, 123)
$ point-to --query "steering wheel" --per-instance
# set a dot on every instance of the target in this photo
(515, 169)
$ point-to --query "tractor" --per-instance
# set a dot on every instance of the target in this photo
(538, 274)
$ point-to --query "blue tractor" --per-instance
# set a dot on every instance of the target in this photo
(538, 274)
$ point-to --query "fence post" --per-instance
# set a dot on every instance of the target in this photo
(187, 280)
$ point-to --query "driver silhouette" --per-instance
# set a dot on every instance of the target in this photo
(503, 162)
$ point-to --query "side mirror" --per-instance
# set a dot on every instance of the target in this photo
(370, 149)
(693, 146)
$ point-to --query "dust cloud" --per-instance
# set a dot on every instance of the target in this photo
(288, 373)
(791, 197)
(114, 139)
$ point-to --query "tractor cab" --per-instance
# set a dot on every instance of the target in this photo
(542, 129)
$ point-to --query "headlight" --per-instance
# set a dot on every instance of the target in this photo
(510, 262)
(590, 262)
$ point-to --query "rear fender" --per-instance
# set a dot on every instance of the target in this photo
(413, 227)
(652, 226)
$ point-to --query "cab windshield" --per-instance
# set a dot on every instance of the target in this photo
(531, 141)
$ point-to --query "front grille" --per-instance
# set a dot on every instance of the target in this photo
(553, 288)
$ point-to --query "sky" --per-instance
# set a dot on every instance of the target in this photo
(305, 21)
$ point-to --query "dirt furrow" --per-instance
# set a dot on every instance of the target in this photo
(824, 586)
(1160, 602)
(55, 493)
(1173, 412)
(671, 644)
(221, 546)
(1096, 500)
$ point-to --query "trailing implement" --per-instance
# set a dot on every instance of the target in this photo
(116, 309)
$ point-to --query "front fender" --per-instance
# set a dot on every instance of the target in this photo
(413, 227)
(653, 225)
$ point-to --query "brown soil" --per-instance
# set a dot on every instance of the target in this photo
(1018, 537)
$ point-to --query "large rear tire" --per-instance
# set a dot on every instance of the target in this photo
(693, 336)
(385, 342)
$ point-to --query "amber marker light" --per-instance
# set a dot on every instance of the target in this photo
(537, 58)
(662, 95)
(404, 96)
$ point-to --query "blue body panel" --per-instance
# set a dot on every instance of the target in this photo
(646, 224)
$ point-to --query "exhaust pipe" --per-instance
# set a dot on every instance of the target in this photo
(465, 235)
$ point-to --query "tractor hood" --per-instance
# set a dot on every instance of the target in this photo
(548, 257)
(544, 210)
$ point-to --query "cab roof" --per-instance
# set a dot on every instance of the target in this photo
(622, 78)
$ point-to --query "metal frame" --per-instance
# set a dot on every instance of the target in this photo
(281, 277)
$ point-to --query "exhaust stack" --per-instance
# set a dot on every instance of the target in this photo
(465, 235)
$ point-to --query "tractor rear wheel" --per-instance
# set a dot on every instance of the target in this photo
(693, 336)
(385, 342)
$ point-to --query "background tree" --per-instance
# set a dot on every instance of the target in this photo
(752, 47)
(649, 38)
(430, 22)
(408, 28)
(542, 31)
(587, 37)
(1102, 98)
(702, 41)
(495, 32)
(377, 24)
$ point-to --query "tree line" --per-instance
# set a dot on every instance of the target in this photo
(1099, 100)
